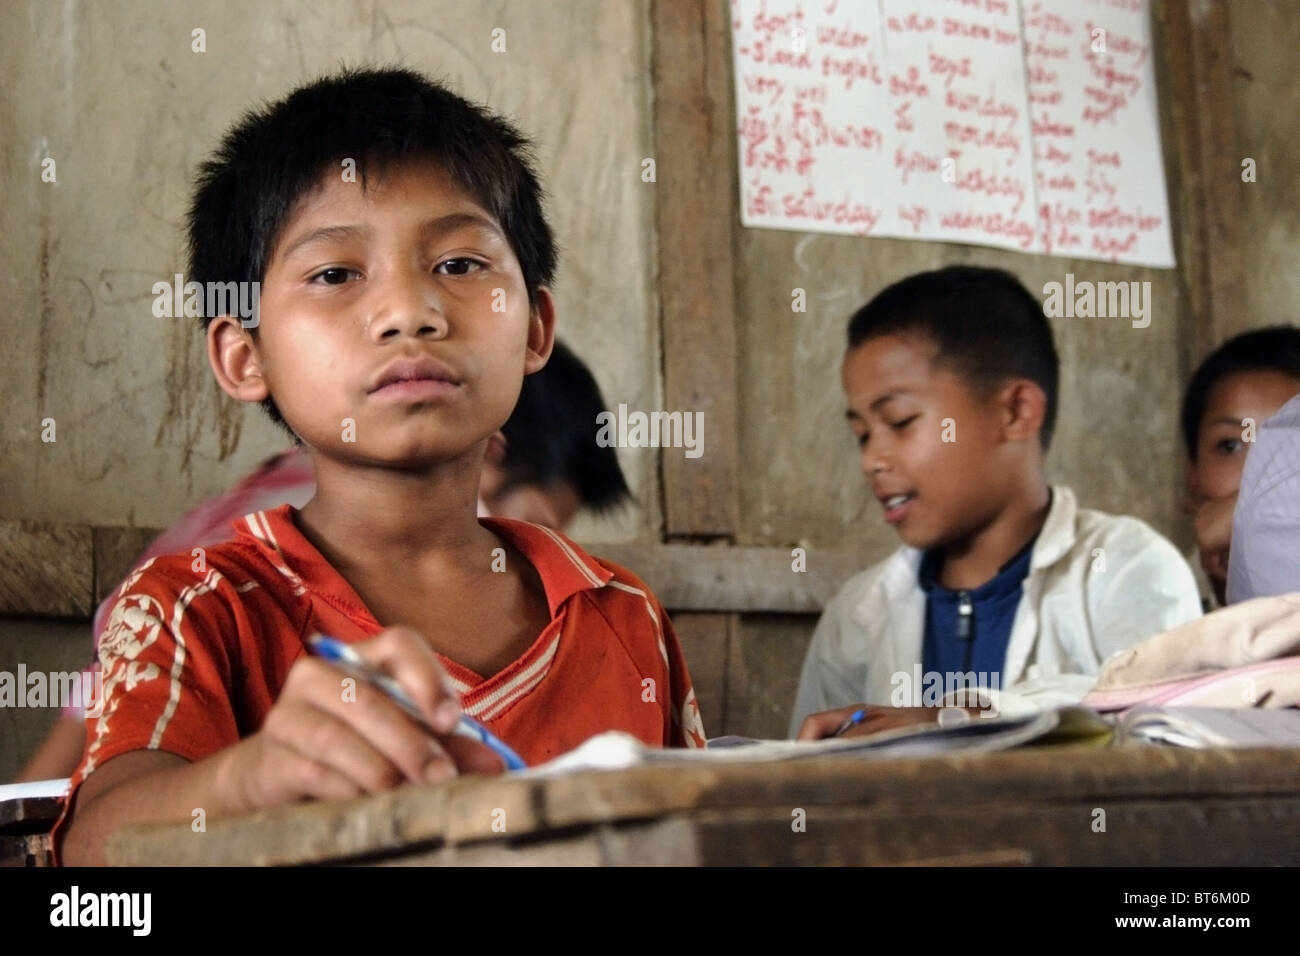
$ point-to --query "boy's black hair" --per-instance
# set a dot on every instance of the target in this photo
(551, 434)
(987, 326)
(1272, 349)
(380, 118)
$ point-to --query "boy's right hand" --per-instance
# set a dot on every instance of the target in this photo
(325, 739)
(823, 724)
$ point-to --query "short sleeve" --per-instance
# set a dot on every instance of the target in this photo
(685, 724)
(165, 668)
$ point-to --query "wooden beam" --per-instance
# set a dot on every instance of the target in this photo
(116, 552)
(46, 568)
(695, 214)
(64, 570)
(717, 578)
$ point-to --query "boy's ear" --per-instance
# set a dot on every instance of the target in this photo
(235, 362)
(1024, 408)
(541, 332)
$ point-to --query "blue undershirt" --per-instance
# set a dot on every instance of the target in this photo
(977, 640)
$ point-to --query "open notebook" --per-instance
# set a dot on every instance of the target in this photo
(1174, 726)
(615, 750)
(1211, 726)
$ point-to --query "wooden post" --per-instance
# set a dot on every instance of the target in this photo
(695, 215)
(1194, 36)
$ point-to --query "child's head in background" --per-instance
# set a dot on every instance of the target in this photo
(1238, 385)
(1248, 377)
(550, 466)
(385, 218)
(951, 379)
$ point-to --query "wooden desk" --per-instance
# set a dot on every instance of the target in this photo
(25, 825)
(1027, 806)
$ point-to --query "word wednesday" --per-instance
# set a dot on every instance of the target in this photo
(1102, 300)
(655, 430)
(103, 909)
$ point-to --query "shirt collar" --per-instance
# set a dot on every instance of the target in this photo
(1008, 579)
(564, 568)
(1055, 541)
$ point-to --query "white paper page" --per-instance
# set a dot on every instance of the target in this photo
(1099, 170)
(959, 136)
(1029, 125)
(811, 114)
(1214, 726)
(34, 788)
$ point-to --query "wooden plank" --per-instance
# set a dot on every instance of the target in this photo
(704, 640)
(1205, 180)
(1174, 832)
(1220, 795)
(116, 552)
(1221, 155)
(717, 578)
(667, 842)
(46, 568)
(1180, 135)
(695, 214)
(765, 659)
(38, 566)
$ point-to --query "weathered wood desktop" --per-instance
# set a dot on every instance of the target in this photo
(1043, 805)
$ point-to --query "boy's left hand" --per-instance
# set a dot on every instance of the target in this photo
(1214, 534)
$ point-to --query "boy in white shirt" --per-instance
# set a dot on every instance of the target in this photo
(1003, 583)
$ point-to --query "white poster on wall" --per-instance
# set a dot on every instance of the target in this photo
(1028, 125)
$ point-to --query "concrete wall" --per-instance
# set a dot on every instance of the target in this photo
(1266, 97)
(114, 94)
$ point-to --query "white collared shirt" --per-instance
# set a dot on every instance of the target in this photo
(1097, 584)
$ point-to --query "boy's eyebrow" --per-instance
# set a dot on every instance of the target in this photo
(1235, 422)
(434, 227)
(852, 415)
(460, 220)
(887, 398)
(334, 233)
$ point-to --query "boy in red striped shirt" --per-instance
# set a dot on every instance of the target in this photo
(400, 308)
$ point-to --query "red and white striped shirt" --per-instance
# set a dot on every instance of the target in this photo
(193, 660)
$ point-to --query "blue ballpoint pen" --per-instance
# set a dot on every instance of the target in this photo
(347, 659)
(854, 719)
